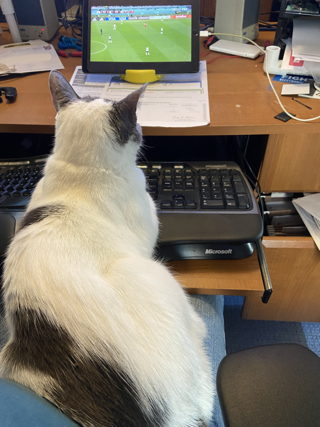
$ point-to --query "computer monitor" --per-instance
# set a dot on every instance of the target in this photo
(126, 35)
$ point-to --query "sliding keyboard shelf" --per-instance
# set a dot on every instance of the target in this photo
(220, 277)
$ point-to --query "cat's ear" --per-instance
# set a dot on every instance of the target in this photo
(127, 107)
(61, 91)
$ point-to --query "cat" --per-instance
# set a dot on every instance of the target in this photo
(98, 326)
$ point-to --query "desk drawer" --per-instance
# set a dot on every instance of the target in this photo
(294, 267)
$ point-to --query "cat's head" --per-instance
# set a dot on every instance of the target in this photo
(94, 131)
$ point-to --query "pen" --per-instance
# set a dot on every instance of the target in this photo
(307, 106)
(62, 53)
(76, 54)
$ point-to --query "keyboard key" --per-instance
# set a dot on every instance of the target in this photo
(225, 178)
(189, 184)
(205, 191)
(236, 178)
(152, 186)
(239, 187)
(178, 196)
(204, 184)
(227, 191)
(243, 201)
(166, 204)
(226, 184)
(216, 189)
(217, 196)
(229, 196)
(231, 204)
(178, 204)
(154, 171)
(167, 185)
(178, 184)
(178, 176)
(215, 182)
(203, 172)
(191, 204)
(212, 204)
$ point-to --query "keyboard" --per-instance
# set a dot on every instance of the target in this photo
(206, 210)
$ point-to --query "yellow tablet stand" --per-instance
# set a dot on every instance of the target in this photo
(141, 76)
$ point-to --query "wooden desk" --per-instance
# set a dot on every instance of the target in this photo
(240, 104)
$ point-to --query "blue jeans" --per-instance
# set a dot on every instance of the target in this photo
(210, 308)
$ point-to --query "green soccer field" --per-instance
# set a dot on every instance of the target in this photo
(130, 40)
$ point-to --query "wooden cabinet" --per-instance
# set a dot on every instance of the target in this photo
(294, 267)
(291, 163)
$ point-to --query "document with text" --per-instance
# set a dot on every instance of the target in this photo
(176, 100)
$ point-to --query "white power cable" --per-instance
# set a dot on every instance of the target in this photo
(265, 52)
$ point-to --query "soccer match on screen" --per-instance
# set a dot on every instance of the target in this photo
(140, 33)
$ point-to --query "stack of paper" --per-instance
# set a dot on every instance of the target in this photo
(305, 40)
(176, 100)
(305, 45)
(308, 208)
(27, 57)
(302, 53)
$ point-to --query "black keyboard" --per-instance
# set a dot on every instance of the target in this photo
(18, 180)
(206, 210)
(188, 186)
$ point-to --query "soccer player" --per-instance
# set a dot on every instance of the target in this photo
(114, 26)
(161, 31)
(147, 51)
(109, 41)
(101, 31)
(145, 25)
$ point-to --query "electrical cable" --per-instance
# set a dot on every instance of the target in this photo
(259, 195)
(48, 41)
(269, 13)
(265, 52)
(247, 163)
(267, 24)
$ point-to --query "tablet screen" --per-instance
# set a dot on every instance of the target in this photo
(161, 36)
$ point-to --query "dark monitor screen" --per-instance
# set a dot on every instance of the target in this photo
(162, 35)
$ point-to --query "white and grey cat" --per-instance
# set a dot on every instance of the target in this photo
(97, 326)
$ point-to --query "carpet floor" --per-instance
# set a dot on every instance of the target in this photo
(242, 334)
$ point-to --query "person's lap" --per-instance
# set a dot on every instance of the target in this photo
(210, 308)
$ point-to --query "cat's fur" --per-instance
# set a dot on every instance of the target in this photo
(97, 326)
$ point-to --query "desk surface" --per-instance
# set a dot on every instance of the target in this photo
(240, 102)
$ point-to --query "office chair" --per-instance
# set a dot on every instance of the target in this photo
(21, 407)
(270, 386)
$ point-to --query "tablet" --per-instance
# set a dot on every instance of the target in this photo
(138, 35)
